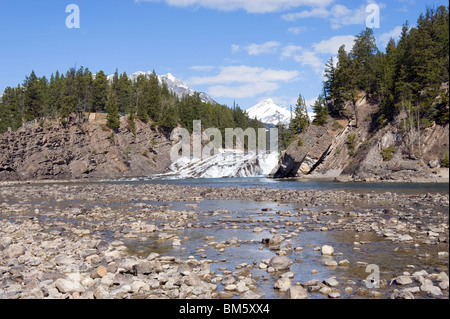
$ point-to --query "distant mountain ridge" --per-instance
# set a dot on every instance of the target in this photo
(174, 85)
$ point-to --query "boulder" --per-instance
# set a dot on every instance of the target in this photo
(283, 284)
(331, 282)
(280, 263)
(433, 290)
(98, 272)
(15, 250)
(327, 250)
(402, 295)
(276, 240)
(403, 280)
(296, 292)
(68, 286)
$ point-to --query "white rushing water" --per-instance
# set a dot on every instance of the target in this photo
(228, 163)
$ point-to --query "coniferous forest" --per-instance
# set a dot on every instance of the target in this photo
(411, 76)
(79, 91)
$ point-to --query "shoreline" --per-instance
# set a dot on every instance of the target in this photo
(342, 180)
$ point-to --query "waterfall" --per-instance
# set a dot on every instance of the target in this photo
(226, 164)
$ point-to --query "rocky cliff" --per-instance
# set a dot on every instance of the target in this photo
(356, 149)
(51, 150)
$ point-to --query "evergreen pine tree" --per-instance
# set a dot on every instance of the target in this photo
(140, 89)
(113, 117)
(33, 97)
(55, 94)
(84, 81)
(69, 101)
(363, 55)
(123, 93)
(99, 92)
(321, 111)
(330, 75)
(154, 98)
(301, 120)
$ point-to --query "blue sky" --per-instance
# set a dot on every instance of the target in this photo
(234, 50)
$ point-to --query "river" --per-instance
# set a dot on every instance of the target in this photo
(223, 230)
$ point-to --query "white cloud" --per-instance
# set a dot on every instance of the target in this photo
(314, 13)
(395, 34)
(338, 15)
(297, 30)
(202, 68)
(310, 58)
(342, 16)
(331, 46)
(243, 91)
(251, 6)
(244, 81)
(267, 47)
(291, 51)
(246, 74)
(315, 58)
(235, 48)
(303, 56)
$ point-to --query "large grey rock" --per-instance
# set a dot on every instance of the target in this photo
(331, 282)
(327, 250)
(435, 291)
(101, 292)
(434, 163)
(63, 260)
(280, 263)
(402, 295)
(442, 277)
(296, 292)
(283, 284)
(6, 241)
(143, 268)
(102, 245)
(276, 240)
(123, 279)
(15, 250)
(403, 280)
(405, 237)
(69, 286)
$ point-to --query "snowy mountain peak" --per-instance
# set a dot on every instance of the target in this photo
(170, 77)
(173, 84)
(270, 113)
(182, 89)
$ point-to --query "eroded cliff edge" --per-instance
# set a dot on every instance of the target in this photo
(51, 150)
(357, 149)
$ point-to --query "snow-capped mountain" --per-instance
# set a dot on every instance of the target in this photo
(181, 89)
(176, 86)
(270, 113)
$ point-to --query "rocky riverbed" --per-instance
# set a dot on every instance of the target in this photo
(124, 240)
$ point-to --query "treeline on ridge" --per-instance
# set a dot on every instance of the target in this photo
(411, 76)
(78, 92)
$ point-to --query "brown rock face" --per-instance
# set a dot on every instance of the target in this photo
(355, 148)
(82, 150)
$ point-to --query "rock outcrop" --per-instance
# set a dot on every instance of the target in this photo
(356, 149)
(52, 150)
